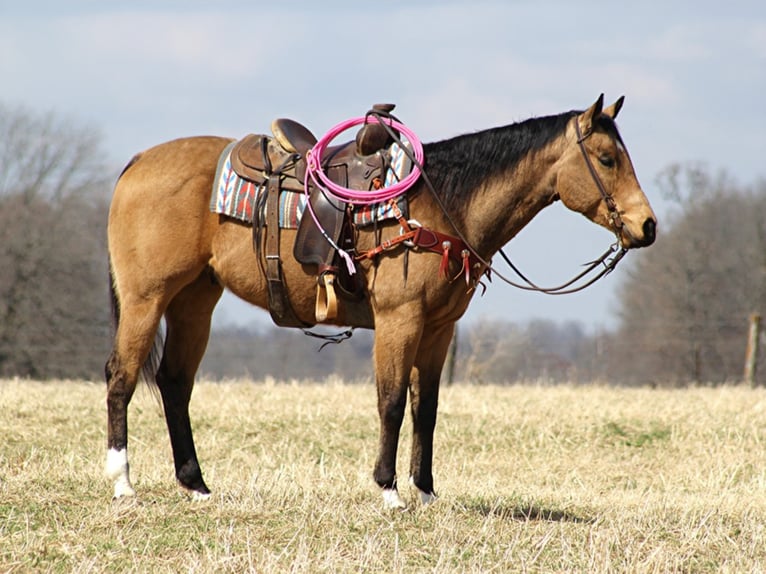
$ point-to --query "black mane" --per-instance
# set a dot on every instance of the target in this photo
(457, 166)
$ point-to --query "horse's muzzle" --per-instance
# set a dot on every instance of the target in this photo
(632, 240)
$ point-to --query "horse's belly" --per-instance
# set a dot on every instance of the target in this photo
(237, 267)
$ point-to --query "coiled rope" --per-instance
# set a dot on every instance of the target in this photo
(315, 173)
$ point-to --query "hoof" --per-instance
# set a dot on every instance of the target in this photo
(195, 494)
(392, 500)
(198, 496)
(426, 498)
(123, 491)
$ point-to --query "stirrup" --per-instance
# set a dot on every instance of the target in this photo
(326, 302)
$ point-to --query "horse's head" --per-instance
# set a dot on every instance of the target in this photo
(596, 177)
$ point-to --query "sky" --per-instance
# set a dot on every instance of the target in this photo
(693, 74)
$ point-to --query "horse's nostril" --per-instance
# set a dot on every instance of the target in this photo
(650, 231)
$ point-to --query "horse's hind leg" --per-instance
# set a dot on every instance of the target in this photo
(138, 323)
(188, 327)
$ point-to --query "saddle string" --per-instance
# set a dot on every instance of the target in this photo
(565, 288)
(331, 338)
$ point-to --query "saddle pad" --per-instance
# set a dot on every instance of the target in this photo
(235, 197)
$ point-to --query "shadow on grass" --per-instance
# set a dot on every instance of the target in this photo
(524, 511)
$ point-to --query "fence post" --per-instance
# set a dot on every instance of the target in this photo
(451, 355)
(751, 355)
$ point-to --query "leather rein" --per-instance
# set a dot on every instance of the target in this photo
(609, 259)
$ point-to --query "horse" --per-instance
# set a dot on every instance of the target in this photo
(171, 257)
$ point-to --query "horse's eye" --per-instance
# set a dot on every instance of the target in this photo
(606, 160)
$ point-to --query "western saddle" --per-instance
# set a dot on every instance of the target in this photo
(279, 163)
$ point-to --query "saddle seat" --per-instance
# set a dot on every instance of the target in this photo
(279, 163)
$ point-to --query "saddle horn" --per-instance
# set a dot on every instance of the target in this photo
(373, 136)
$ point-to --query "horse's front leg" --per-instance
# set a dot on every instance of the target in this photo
(424, 399)
(396, 339)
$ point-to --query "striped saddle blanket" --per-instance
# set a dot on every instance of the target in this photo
(236, 197)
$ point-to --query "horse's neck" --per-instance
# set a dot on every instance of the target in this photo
(510, 199)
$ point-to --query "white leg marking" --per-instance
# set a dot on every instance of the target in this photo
(200, 496)
(117, 470)
(425, 497)
(392, 500)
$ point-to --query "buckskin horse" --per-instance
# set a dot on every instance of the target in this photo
(172, 257)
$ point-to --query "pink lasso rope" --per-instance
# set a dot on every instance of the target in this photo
(316, 173)
(320, 179)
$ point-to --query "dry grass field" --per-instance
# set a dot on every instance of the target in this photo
(531, 479)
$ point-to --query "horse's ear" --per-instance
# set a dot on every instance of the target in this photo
(586, 118)
(615, 108)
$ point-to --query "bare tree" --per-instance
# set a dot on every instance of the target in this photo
(686, 302)
(53, 203)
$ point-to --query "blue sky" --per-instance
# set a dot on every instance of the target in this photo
(693, 73)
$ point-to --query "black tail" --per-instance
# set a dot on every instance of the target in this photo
(114, 303)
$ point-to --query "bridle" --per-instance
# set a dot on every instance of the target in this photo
(609, 259)
(614, 216)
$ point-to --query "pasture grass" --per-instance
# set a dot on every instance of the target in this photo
(531, 478)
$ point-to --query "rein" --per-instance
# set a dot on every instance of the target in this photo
(609, 259)
(458, 248)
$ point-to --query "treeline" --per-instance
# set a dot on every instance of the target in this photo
(683, 303)
(486, 352)
(54, 189)
(686, 301)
